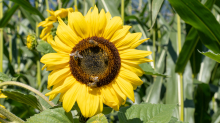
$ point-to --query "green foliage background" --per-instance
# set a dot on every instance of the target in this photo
(157, 20)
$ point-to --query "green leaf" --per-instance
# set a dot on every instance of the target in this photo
(23, 98)
(146, 112)
(201, 18)
(28, 7)
(7, 15)
(156, 5)
(107, 110)
(55, 115)
(202, 98)
(149, 70)
(212, 55)
(28, 16)
(175, 120)
(99, 118)
(188, 47)
(4, 77)
(109, 6)
(45, 48)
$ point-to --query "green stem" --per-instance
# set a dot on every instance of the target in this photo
(154, 46)
(93, 2)
(1, 37)
(10, 39)
(59, 4)
(75, 1)
(48, 8)
(10, 116)
(4, 121)
(28, 88)
(38, 73)
(122, 10)
(38, 60)
(18, 44)
(180, 85)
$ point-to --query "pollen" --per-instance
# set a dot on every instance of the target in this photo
(95, 61)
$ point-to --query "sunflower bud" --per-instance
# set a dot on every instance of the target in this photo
(31, 42)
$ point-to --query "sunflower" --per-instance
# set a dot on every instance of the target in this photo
(2, 96)
(31, 41)
(48, 23)
(96, 62)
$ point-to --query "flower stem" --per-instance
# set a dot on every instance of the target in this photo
(38, 60)
(28, 88)
(93, 2)
(4, 121)
(48, 8)
(1, 38)
(75, 2)
(10, 116)
(18, 43)
(180, 77)
(122, 10)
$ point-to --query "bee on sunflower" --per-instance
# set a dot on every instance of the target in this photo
(96, 62)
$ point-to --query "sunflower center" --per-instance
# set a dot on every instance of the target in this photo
(95, 61)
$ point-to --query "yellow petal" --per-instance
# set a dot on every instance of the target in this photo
(120, 33)
(89, 101)
(130, 77)
(136, 44)
(125, 43)
(68, 82)
(66, 34)
(78, 23)
(102, 23)
(57, 76)
(135, 62)
(58, 45)
(51, 97)
(133, 54)
(136, 69)
(71, 96)
(126, 87)
(94, 22)
(112, 26)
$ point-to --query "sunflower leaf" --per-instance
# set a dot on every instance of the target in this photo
(175, 120)
(55, 115)
(212, 55)
(4, 77)
(23, 98)
(150, 71)
(146, 112)
(99, 118)
(45, 48)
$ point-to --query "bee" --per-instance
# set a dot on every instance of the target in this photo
(76, 55)
(93, 42)
(94, 82)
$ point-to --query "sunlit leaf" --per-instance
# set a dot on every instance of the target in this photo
(99, 118)
(56, 115)
(4, 77)
(146, 112)
(156, 6)
(23, 98)
(212, 55)
(199, 16)
(45, 48)
(150, 71)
